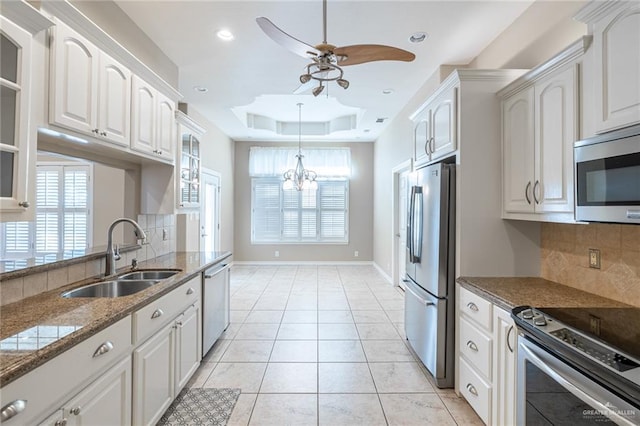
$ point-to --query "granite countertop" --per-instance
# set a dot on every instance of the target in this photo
(509, 292)
(68, 322)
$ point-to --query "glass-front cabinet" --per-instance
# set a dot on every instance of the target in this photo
(190, 171)
(189, 163)
(16, 145)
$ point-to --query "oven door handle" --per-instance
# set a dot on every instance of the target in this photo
(533, 358)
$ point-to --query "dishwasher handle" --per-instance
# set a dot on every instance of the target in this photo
(213, 272)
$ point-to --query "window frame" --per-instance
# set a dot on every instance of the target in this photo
(300, 240)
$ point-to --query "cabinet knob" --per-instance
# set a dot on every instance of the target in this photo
(471, 344)
(103, 133)
(12, 409)
(179, 323)
(24, 204)
(472, 389)
(157, 313)
(472, 306)
(61, 422)
(96, 131)
(75, 411)
(103, 349)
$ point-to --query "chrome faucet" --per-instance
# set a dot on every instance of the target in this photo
(113, 254)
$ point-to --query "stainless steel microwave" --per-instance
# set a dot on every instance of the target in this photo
(607, 171)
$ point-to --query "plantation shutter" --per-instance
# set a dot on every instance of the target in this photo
(76, 193)
(48, 193)
(266, 209)
(333, 209)
(16, 236)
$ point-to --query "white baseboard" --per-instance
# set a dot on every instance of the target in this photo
(301, 262)
(383, 273)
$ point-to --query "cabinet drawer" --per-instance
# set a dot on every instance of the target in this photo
(476, 308)
(475, 391)
(46, 387)
(476, 347)
(152, 317)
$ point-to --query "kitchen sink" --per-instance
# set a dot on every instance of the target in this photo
(148, 275)
(114, 288)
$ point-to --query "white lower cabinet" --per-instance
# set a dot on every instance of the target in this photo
(164, 363)
(153, 364)
(107, 401)
(486, 359)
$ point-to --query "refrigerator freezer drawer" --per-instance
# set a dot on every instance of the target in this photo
(426, 330)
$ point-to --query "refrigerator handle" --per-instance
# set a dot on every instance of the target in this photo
(417, 224)
(420, 299)
(410, 225)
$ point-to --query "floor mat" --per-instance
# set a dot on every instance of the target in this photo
(201, 406)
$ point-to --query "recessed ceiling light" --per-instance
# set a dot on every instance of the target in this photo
(225, 35)
(387, 91)
(418, 37)
(200, 89)
(366, 130)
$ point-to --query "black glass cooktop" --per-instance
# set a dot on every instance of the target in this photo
(618, 327)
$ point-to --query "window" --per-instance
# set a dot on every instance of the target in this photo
(63, 219)
(290, 216)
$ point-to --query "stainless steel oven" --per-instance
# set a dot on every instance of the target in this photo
(608, 177)
(567, 376)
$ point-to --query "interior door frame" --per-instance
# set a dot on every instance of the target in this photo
(204, 172)
(405, 166)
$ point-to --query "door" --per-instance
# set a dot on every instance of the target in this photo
(210, 211)
(431, 216)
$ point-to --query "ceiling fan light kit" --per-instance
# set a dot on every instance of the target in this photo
(328, 59)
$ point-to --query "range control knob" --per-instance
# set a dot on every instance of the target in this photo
(527, 313)
(540, 321)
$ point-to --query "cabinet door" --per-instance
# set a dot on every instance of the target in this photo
(107, 401)
(153, 377)
(74, 81)
(187, 345)
(166, 137)
(143, 122)
(517, 152)
(17, 145)
(504, 371)
(617, 58)
(421, 133)
(114, 115)
(443, 124)
(555, 130)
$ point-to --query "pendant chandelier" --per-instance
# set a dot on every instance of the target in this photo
(299, 178)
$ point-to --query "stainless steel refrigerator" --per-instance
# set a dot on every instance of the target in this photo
(430, 265)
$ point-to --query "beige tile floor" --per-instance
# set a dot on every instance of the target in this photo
(323, 345)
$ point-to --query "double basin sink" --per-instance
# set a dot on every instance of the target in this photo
(123, 285)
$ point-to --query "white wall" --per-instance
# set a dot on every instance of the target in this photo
(543, 30)
(360, 213)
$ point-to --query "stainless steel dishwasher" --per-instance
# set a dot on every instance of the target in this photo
(215, 304)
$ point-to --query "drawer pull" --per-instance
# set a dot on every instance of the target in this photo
(190, 291)
(61, 422)
(471, 344)
(103, 349)
(12, 409)
(472, 389)
(75, 411)
(157, 314)
(472, 306)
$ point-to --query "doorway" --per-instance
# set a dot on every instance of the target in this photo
(400, 188)
(210, 211)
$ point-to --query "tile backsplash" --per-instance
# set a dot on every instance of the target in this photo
(565, 258)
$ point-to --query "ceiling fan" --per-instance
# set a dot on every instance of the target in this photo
(328, 59)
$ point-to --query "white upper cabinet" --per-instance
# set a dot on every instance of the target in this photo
(114, 112)
(153, 124)
(17, 143)
(90, 91)
(615, 73)
(539, 128)
(435, 127)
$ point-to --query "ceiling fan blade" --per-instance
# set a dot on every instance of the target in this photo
(285, 40)
(360, 53)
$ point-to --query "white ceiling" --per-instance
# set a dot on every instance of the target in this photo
(240, 72)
